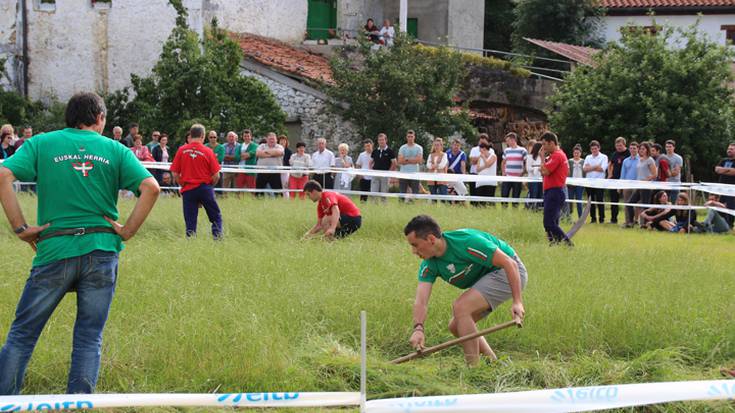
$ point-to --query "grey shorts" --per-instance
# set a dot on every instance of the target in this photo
(495, 288)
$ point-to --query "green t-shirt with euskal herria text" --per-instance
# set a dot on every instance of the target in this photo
(78, 174)
(469, 256)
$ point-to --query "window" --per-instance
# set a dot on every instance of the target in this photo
(44, 5)
(101, 4)
(729, 33)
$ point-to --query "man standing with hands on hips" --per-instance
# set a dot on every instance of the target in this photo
(196, 169)
(554, 170)
(78, 173)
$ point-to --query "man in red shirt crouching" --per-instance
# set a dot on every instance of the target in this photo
(336, 214)
(554, 170)
(196, 168)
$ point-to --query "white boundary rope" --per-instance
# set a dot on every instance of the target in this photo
(573, 399)
(101, 401)
(608, 184)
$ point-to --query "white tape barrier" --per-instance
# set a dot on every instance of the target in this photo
(712, 188)
(251, 400)
(575, 399)
(462, 198)
(451, 178)
(723, 189)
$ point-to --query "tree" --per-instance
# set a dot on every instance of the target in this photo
(567, 21)
(499, 19)
(402, 87)
(671, 85)
(198, 80)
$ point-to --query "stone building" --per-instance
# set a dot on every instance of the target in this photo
(57, 47)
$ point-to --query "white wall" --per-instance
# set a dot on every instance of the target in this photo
(353, 14)
(466, 23)
(80, 47)
(284, 20)
(710, 24)
(136, 32)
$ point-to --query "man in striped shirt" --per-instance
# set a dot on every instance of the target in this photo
(486, 267)
(514, 161)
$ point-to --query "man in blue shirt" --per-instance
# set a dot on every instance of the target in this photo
(457, 158)
(628, 172)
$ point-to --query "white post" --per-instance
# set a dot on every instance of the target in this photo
(403, 16)
(363, 360)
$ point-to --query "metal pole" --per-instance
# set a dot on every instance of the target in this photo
(363, 360)
(403, 16)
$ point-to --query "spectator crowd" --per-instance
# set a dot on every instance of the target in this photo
(633, 161)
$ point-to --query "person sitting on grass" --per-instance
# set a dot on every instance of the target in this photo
(714, 222)
(337, 215)
(686, 219)
(658, 218)
(486, 267)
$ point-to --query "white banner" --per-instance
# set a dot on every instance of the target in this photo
(451, 178)
(252, 400)
(574, 399)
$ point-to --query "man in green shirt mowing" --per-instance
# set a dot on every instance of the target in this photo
(486, 267)
(78, 174)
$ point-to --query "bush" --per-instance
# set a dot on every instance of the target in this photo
(672, 85)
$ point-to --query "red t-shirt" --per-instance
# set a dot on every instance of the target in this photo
(195, 164)
(663, 169)
(330, 199)
(559, 168)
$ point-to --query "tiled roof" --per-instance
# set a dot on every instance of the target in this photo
(637, 4)
(579, 54)
(284, 58)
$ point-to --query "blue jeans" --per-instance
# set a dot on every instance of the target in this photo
(93, 276)
(535, 191)
(577, 193)
(553, 202)
(204, 195)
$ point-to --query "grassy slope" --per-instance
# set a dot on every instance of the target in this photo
(263, 311)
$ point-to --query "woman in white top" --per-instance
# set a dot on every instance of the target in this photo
(299, 160)
(487, 165)
(343, 180)
(437, 162)
(533, 166)
(575, 171)
(387, 33)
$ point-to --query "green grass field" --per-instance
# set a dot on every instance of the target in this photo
(263, 311)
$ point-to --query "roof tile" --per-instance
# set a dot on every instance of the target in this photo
(284, 57)
(579, 54)
(637, 4)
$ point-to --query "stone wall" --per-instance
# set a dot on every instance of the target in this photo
(101, 49)
(310, 112)
(284, 20)
(8, 45)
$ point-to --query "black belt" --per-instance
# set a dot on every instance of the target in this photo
(76, 231)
